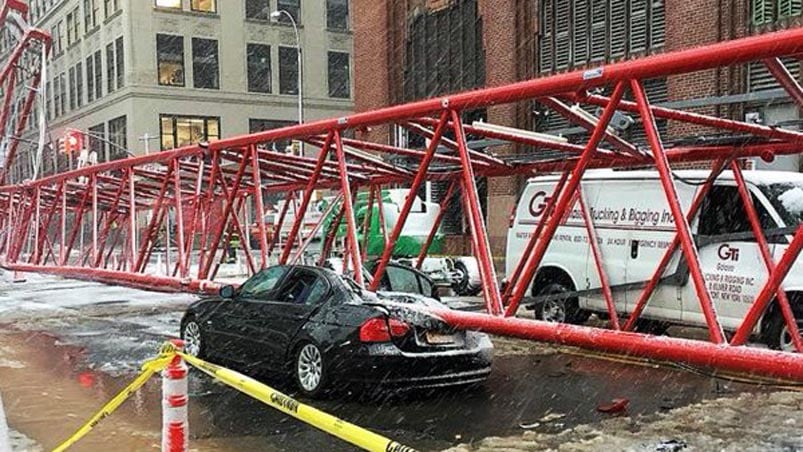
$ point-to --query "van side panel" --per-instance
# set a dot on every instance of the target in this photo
(606, 201)
(568, 249)
(653, 229)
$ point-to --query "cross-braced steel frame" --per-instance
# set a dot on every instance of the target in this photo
(117, 210)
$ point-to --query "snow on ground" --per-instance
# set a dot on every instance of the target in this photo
(749, 422)
(116, 327)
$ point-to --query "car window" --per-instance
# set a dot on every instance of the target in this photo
(724, 213)
(303, 287)
(263, 284)
(402, 279)
(426, 286)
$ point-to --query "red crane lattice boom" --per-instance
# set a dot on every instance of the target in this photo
(208, 187)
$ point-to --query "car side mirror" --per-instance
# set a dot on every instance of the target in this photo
(227, 292)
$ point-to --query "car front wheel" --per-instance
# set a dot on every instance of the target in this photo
(310, 370)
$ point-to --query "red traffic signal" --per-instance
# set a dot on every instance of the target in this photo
(73, 141)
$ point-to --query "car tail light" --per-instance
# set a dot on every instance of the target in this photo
(381, 330)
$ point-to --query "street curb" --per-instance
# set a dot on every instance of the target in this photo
(5, 443)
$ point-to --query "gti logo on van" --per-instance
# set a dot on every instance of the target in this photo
(538, 203)
(726, 253)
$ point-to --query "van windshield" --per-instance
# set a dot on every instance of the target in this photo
(787, 199)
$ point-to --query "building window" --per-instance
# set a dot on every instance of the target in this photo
(205, 71)
(110, 65)
(110, 7)
(98, 75)
(169, 4)
(90, 15)
(576, 33)
(178, 131)
(260, 125)
(259, 76)
(58, 33)
(257, 9)
(170, 54)
(71, 76)
(118, 141)
(63, 90)
(56, 98)
(291, 6)
(73, 27)
(48, 101)
(337, 14)
(205, 6)
(97, 141)
(339, 78)
(288, 70)
(79, 85)
(120, 62)
(90, 79)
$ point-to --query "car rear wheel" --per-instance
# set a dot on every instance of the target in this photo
(310, 370)
(192, 335)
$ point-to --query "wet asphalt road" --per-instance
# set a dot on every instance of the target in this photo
(108, 331)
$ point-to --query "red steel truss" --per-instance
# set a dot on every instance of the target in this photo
(105, 222)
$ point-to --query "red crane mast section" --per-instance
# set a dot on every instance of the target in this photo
(206, 188)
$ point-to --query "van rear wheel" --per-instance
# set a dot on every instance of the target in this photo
(777, 335)
(559, 307)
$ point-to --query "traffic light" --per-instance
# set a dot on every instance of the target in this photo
(73, 141)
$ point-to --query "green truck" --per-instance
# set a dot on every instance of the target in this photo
(461, 273)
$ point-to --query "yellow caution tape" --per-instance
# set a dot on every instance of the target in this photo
(346, 431)
(149, 368)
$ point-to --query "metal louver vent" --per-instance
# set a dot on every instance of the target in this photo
(762, 12)
(760, 79)
(545, 50)
(579, 31)
(638, 25)
(618, 25)
(789, 8)
(657, 24)
(599, 12)
(563, 51)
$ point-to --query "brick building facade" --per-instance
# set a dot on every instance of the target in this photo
(521, 39)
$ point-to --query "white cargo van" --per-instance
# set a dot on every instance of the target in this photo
(634, 227)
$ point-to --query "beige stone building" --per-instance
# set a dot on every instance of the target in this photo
(182, 71)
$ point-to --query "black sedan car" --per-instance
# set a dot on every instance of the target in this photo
(326, 331)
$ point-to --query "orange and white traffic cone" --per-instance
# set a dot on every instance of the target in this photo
(175, 424)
